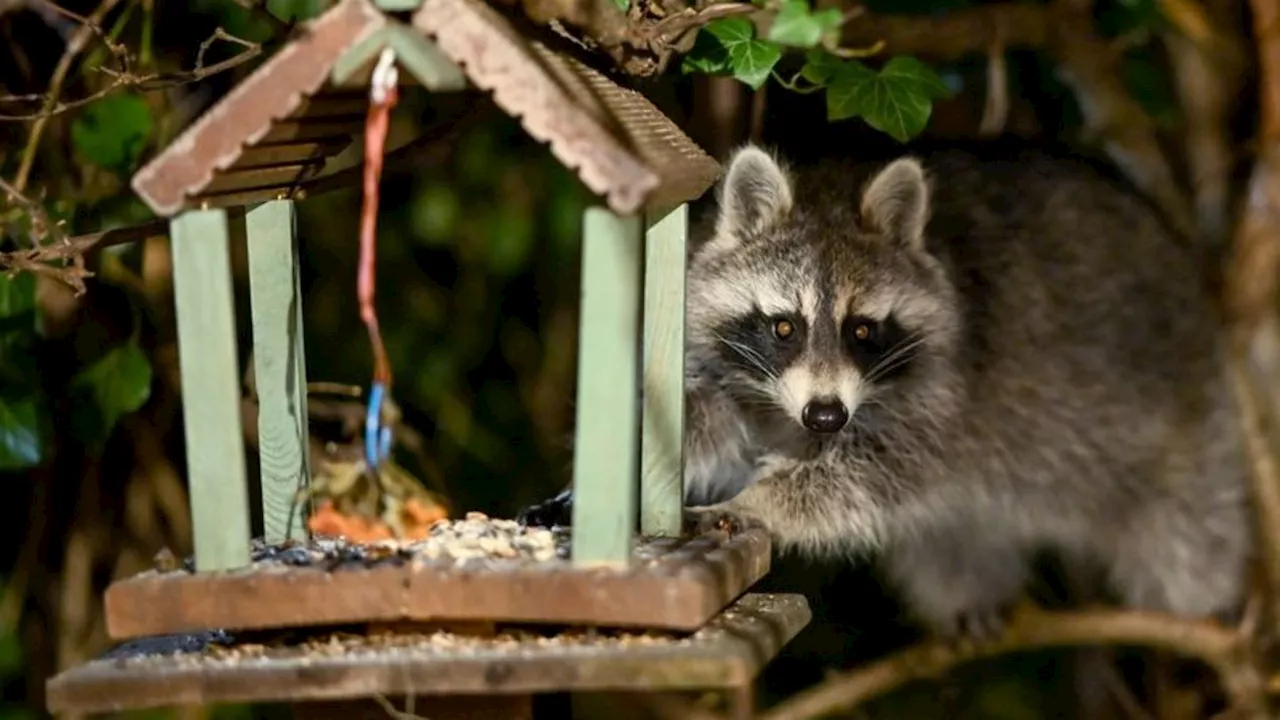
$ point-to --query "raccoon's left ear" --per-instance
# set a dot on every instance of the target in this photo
(896, 202)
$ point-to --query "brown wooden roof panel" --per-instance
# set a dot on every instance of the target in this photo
(249, 113)
(621, 146)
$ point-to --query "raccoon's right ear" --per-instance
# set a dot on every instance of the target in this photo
(755, 194)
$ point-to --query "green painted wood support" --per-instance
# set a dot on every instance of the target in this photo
(279, 366)
(424, 60)
(208, 362)
(358, 56)
(397, 5)
(414, 51)
(662, 440)
(606, 454)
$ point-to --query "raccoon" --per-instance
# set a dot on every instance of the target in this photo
(953, 362)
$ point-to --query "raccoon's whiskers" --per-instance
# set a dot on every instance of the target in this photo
(751, 356)
(897, 356)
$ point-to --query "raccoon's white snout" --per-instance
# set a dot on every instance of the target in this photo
(820, 399)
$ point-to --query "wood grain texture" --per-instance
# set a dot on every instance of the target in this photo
(662, 440)
(672, 584)
(606, 450)
(279, 358)
(728, 652)
(210, 375)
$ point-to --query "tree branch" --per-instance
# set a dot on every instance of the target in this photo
(1225, 650)
(74, 47)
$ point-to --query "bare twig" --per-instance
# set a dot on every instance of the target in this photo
(74, 47)
(1224, 649)
(150, 81)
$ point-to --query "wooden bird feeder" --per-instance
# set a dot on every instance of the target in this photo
(283, 135)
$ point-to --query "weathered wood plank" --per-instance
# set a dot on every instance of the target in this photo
(607, 438)
(674, 584)
(210, 389)
(727, 653)
(662, 442)
(279, 366)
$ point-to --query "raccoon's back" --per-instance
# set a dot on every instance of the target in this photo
(1092, 348)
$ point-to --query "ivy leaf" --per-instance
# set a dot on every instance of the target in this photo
(897, 100)
(112, 132)
(21, 445)
(819, 66)
(731, 47)
(795, 25)
(708, 56)
(17, 295)
(116, 384)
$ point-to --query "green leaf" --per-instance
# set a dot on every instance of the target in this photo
(730, 46)
(296, 10)
(897, 100)
(17, 294)
(708, 56)
(819, 66)
(116, 384)
(21, 445)
(623, 5)
(112, 132)
(795, 25)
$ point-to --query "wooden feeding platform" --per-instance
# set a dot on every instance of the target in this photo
(647, 608)
(469, 570)
(488, 670)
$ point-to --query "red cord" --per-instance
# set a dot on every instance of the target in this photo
(374, 143)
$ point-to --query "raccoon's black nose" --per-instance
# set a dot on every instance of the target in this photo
(824, 416)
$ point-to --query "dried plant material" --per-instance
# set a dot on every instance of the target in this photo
(365, 507)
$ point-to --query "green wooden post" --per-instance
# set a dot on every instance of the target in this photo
(210, 389)
(662, 442)
(607, 438)
(279, 365)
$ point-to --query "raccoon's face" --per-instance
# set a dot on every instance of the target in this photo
(818, 310)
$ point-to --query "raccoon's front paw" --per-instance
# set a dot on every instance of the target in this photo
(555, 512)
(711, 520)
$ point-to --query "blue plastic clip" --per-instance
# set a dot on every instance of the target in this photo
(377, 437)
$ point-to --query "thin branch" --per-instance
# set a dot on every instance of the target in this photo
(152, 81)
(1223, 649)
(74, 47)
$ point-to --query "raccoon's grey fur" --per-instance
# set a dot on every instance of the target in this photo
(984, 359)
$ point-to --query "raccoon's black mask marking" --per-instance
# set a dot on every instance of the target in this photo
(886, 354)
(749, 344)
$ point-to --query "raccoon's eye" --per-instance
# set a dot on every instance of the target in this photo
(866, 331)
(783, 329)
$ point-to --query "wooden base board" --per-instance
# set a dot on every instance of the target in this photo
(727, 653)
(672, 585)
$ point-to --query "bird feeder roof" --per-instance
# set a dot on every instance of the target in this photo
(282, 132)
